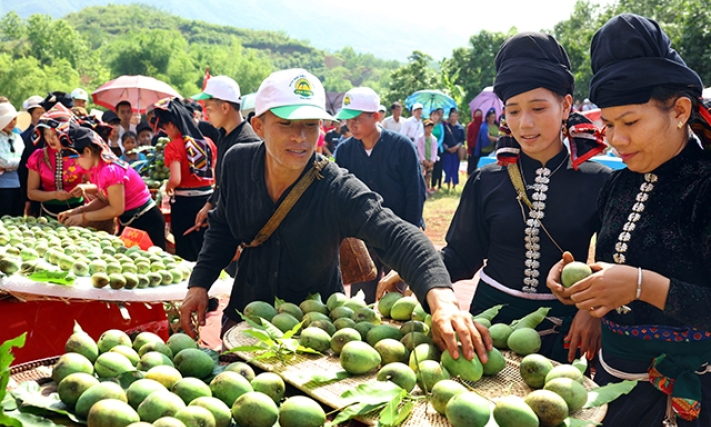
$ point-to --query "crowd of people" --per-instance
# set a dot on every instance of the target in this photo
(259, 196)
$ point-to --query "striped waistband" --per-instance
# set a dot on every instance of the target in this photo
(513, 292)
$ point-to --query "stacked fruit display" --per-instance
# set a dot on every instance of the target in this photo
(175, 384)
(29, 246)
(155, 171)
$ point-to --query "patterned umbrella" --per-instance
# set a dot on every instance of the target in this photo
(485, 101)
(431, 100)
(140, 91)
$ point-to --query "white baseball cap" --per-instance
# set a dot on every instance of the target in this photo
(7, 113)
(293, 94)
(359, 100)
(417, 106)
(33, 101)
(80, 93)
(220, 87)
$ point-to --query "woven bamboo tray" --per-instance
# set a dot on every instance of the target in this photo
(300, 369)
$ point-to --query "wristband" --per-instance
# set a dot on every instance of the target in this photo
(83, 219)
(639, 284)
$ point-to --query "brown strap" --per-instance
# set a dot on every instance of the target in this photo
(287, 204)
(517, 181)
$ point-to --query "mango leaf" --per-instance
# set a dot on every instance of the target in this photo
(278, 302)
(272, 330)
(377, 392)
(215, 372)
(293, 331)
(10, 419)
(214, 355)
(531, 320)
(390, 412)
(9, 403)
(247, 348)
(328, 377)
(6, 358)
(581, 364)
(262, 336)
(354, 411)
(56, 277)
(30, 394)
(402, 414)
(249, 321)
(315, 297)
(307, 350)
(574, 422)
(24, 419)
(490, 313)
(608, 393)
(266, 355)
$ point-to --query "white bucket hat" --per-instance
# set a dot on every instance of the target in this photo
(293, 94)
(7, 113)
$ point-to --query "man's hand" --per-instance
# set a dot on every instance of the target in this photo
(196, 301)
(201, 217)
(387, 284)
(448, 318)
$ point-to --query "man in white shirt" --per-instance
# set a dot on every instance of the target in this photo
(413, 126)
(124, 111)
(395, 121)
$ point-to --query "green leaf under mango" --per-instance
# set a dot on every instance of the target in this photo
(608, 393)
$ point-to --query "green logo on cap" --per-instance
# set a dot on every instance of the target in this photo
(303, 88)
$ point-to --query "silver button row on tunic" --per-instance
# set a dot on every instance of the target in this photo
(532, 230)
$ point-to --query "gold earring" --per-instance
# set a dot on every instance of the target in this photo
(680, 125)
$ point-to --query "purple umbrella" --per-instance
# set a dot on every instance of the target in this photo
(485, 101)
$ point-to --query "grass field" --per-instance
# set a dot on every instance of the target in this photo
(439, 209)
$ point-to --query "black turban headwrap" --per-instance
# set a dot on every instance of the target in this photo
(630, 56)
(529, 61)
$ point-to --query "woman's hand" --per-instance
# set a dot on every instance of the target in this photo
(62, 216)
(75, 219)
(62, 195)
(387, 284)
(609, 287)
(554, 283)
(78, 191)
(584, 334)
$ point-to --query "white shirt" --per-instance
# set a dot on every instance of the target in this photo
(412, 127)
(391, 124)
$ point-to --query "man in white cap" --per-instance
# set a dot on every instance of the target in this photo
(413, 126)
(80, 97)
(11, 147)
(222, 100)
(385, 161)
(301, 256)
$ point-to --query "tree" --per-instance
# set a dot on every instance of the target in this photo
(416, 75)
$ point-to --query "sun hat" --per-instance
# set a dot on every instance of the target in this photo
(417, 106)
(359, 100)
(7, 113)
(220, 87)
(80, 93)
(382, 108)
(293, 94)
(33, 101)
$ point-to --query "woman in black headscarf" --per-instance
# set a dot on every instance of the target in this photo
(651, 286)
(520, 214)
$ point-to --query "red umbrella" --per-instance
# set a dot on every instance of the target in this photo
(140, 91)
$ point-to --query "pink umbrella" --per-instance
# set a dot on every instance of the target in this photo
(140, 91)
(485, 101)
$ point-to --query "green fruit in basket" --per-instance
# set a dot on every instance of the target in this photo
(140, 389)
(500, 333)
(386, 302)
(166, 277)
(414, 326)
(190, 389)
(160, 404)
(344, 323)
(482, 321)
(29, 254)
(194, 363)
(574, 394)
(255, 409)
(164, 374)
(413, 339)
(196, 416)
(312, 317)
(158, 346)
(301, 411)
(129, 267)
(155, 279)
(112, 413)
(143, 267)
(400, 374)
(311, 305)
(284, 321)
(228, 386)
(443, 392)
(131, 280)
(256, 309)
(270, 384)
(179, 341)
(241, 368)
(323, 324)
(419, 314)
(429, 373)
(111, 339)
(116, 281)
(336, 299)
(113, 267)
(152, 359)
(4, 240)
(127, 352)
(391, 350)
(363, 328)
(143, 281)
(533, 369)
(99, 392)
(469, 370)
(13, 250)
(495, 364)
(144, 338)
(112, 364)
(423, 352)
(10, 265)
(382, 332)
(574, 272)
(157, 266)
(99, 280)
(512, 411)
(340, 312)
(565, 371)
(220, 411)
(315, 338)
(80, 269)
(468, 409)
(402, 308)
(524, 341)
(341, 337)
(358, 358)
(354, 303)
(185, 270)
(80, 342)
(73, 385)
(177, 275)
(550, 408)
(70, 363)
(366, 314)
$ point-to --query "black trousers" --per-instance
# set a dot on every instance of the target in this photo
(437, 173)
(182, 217)
(11, 202)
(472, 164)
(153, 223)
